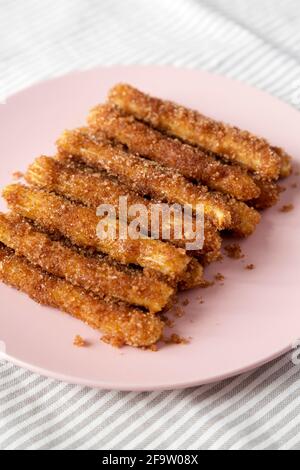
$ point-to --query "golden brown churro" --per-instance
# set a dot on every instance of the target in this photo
(189, 161)
(193, 277)
(99, 155)
(79, 224)
(244, 218)
(94, 274)
(144, 176)
(239, 146)
(94, 189)
(285, 162)
(129, 325)
(78, 184)
(79, 236)
(269, 194)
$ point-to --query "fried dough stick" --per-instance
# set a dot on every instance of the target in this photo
(244, 218)
(269, 195)
(79, 224)
(104, 155)
(143, 175)
(126, 324)
(285, 162)
(236, 145)
(190, 161)
(93, 189)
(97, 275)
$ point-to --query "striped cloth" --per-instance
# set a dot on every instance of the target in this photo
(256, 41)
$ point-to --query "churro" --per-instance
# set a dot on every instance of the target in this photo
(132, 326)
(93, 189)
(286, 167)
(244, 218)
(190, 161)
(174, 188)
(95, 274)
(236, 145)
(143, 175)
(193, 276)
(109, 231)
(269, 194)
(79, 224)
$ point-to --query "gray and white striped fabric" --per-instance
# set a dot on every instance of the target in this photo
(257, 41)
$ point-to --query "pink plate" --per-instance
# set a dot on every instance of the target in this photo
(251, 319)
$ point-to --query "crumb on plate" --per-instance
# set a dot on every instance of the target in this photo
(250, 267)
(175, 339)
(179, 312)
(234, 251)
(114, 341)
(286, 208)
(79, 342)
(17, 175)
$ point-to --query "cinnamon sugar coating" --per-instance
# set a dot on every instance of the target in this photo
(148, 177)
(190, 161)
(133, 326)
(79, 224)
(236, 145)
(143, 175)
(95, 274)
(79, 342)
(244, 218)
(286, 167)
(269, 194)
(93, 189)
(149, 151)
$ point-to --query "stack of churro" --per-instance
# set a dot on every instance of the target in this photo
(148, 151)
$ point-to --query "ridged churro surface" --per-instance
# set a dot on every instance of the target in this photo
(143, 175)
(237, 145)
(244, 218)
(124, 323)
(179, 189)
(286, 167)
(90, 188)
(94, 274)
(269, 194)
(189, 161)
(79, 224)
(93, 189)
(129, 176)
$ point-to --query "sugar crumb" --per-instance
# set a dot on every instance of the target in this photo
(114, 341)
(152, 348)
(79, 342)
(175, 339)
(206, 284)
(219, 277)
(250, 267)
(179, 312)
(17, 175)
(169, 323)
(286, 208)
(234, 251)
